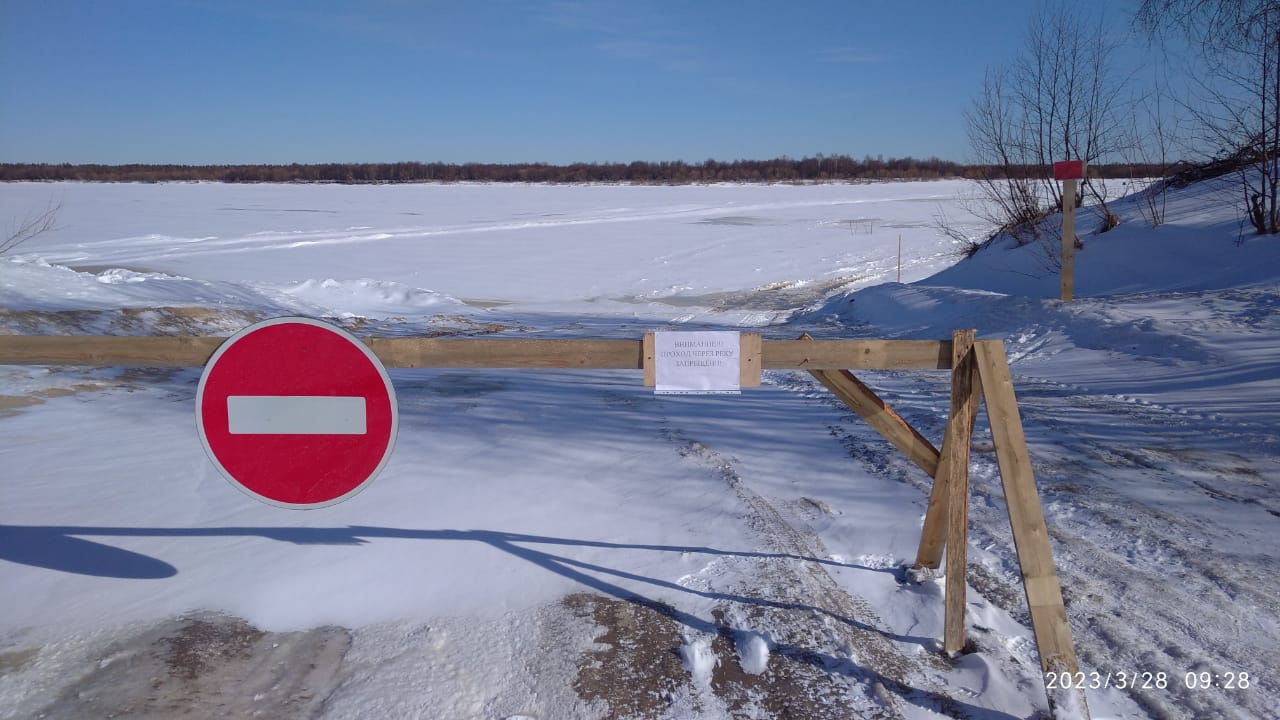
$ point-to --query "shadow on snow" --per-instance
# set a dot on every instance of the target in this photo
(57, 547)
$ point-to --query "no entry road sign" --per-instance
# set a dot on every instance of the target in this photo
(296, 413)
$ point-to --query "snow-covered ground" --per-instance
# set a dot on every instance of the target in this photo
(558, 544)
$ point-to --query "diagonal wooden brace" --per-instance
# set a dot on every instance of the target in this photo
(863, 401)
(933, 537)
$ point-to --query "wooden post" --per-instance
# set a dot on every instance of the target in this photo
(899, 257)
(750, 352)
(1068, 238)
(649, 354)
(933, 536)
(1030, 535)
(959, 437)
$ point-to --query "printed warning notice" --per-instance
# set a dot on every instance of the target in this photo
(697, 363)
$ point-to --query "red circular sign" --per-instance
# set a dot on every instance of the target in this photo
(296, 413)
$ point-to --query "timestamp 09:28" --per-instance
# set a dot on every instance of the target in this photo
(1126, 680)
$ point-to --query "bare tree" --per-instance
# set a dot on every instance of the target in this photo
(1154, 134)
(996, 133)
(1059, 99)
(35, 223)
(1237, 112)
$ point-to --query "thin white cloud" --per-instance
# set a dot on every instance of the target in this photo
(668, 56)
(849, 56)
(383, 23)
(608, 18)
(628, 32)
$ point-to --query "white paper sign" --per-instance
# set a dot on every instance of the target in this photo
(697, 363)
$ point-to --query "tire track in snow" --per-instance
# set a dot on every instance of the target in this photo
(1126, 561)
(817, 621)
(149, 248)
(803, 606)
(1130, 571)
(923, 401)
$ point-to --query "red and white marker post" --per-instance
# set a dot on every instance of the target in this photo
(296, 413)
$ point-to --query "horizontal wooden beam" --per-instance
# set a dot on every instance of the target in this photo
(169, 351)
(507, 353)
(857, 354)
(110, 350)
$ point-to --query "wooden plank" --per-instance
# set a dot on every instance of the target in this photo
(410, 352)
(1030, 534)
(649, 359)
(750, 350)
(933, 534)
(959, 438)
(876, 413)
(507, 353)
(163, 351)
(776, 354)
(863, 401)
(857, 354)
(1068, 238)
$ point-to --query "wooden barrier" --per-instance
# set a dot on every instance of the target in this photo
(979, 372)
(478, 352)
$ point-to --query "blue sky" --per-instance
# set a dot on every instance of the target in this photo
(266, 81)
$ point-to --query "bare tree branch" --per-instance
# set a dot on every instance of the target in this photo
(1238, 108)
(34, 224)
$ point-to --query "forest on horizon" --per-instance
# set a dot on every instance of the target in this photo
(832, 168)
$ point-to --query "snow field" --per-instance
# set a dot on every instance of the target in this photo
(753, 545)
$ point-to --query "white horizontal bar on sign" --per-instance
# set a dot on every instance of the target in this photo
(295, 415)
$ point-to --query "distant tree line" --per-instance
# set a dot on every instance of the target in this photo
(830, 168)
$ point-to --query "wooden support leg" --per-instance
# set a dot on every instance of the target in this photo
(959, 437)
(1030, 534)
(933, 536)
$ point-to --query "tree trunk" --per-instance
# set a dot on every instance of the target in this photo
(1271, 154)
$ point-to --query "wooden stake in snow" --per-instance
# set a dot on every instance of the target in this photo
(899, 257)
(1068, 172)
(955, 445)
